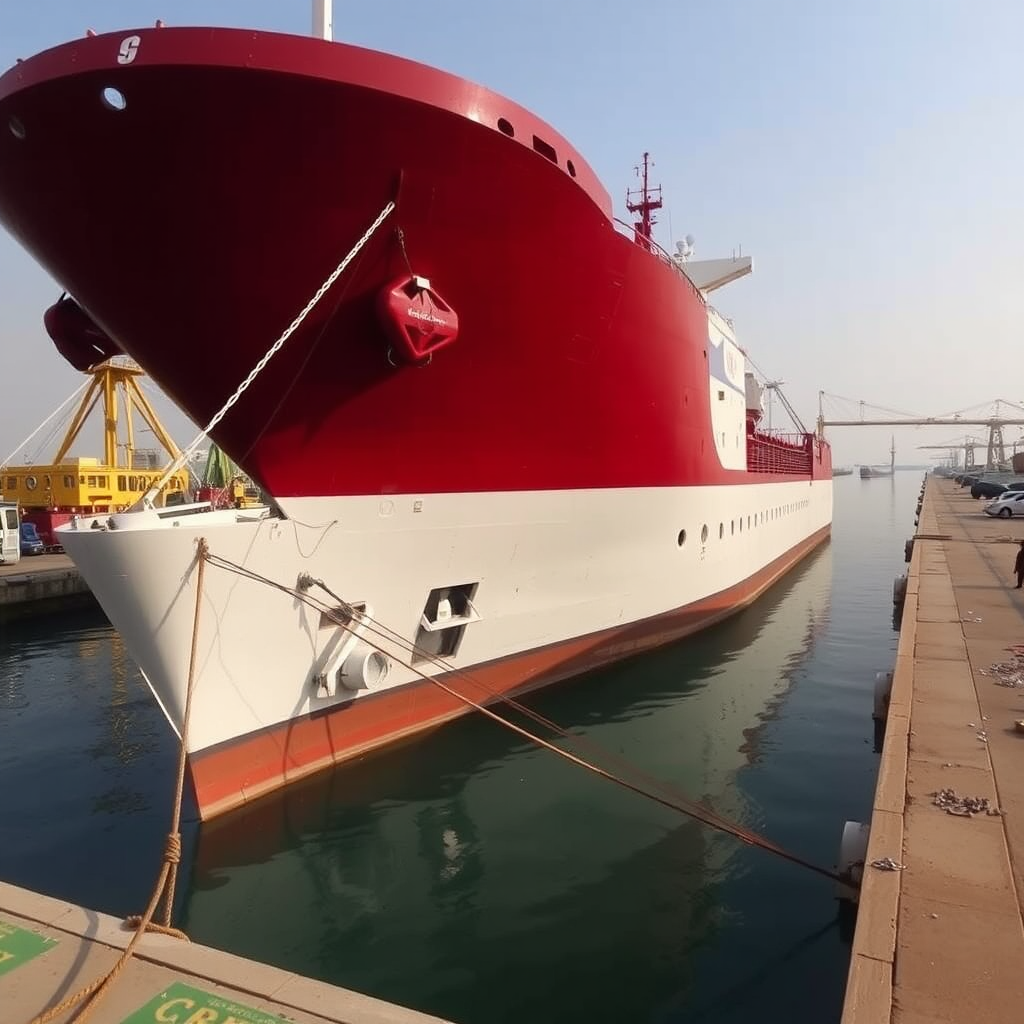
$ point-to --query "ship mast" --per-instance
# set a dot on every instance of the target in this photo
(323, 26)
(645, 203)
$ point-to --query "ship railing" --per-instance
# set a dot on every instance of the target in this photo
(657, 251)
(192, 508)
(780, 453)
(792, 438)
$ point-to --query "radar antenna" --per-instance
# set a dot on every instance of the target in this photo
(644, 201)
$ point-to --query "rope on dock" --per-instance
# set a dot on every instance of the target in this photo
(167, 878)
(653, 789)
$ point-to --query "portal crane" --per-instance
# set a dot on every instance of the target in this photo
(995, 456)
(967, 447)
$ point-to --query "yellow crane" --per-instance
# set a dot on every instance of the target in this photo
(50, 493)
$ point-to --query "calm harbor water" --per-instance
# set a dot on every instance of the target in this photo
(473, 876)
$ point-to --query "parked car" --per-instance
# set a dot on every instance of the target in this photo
(1009, 503)
(987, 489)
(31, 544)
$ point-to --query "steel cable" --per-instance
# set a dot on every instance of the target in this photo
(665, 797)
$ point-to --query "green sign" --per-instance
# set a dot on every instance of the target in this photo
(182, 1004)
(18, 945)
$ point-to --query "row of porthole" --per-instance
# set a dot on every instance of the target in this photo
(544, 148)
(757, 518)
(112, 99)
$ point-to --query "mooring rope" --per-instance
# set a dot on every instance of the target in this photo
(166, 879)
(652, 782)
(684, 806)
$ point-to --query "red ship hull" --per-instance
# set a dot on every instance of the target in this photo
(193, 224)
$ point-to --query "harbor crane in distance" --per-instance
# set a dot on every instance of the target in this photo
(955, 449)
(996, 447)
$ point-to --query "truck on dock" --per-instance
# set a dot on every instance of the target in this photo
(10, 533)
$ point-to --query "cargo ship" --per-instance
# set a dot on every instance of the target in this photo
(872, 472)
(507, 436)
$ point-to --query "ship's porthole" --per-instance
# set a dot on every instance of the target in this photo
(721, 530)
(571, 168)
(31, 483)
(113, 99)
(505, 127)
(704, 534)
(16, 127)
(681, 539)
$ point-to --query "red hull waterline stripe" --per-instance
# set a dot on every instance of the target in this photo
(240, 770)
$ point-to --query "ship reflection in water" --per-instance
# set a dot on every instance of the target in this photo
(474, 876)
(86, 760)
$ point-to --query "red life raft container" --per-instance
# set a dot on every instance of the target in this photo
(416, 320)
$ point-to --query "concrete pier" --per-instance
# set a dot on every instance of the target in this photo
(41, 583)
(942, 939)
(49, 949)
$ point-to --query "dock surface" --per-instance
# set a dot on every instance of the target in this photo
(41, 583)
(941, 940)
(32, 564)
(50, 949)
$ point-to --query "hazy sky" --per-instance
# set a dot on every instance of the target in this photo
(868, 155)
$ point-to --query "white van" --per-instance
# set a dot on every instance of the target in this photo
(10, 533)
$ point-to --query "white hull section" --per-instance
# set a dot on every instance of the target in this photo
(542, 567)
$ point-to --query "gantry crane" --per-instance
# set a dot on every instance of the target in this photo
(966, 447)
(995, 455)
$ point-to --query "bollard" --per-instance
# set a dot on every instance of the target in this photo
(853, 848)
(877, 735)
(883, 692)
